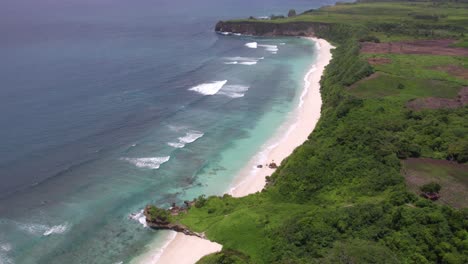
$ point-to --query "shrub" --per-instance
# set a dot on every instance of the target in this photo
(432, 187)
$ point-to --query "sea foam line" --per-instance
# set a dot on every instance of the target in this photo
(209, 88)
(252, 45)
(234, 91)
(189, 137)
(242, 60)
(151, 162)
(44, 230)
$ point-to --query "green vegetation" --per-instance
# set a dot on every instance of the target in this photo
(432, 187)
(340, 197)
(156, 214)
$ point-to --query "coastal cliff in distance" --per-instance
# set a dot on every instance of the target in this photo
(303, 29)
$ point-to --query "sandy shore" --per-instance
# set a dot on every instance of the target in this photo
(184, 249)
(298, 126)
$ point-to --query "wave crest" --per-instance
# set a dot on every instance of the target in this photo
(58, 229)
(234, 91)
(151, 163)
(209, 88)
(252, 45)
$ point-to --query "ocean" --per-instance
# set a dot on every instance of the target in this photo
(107, 106)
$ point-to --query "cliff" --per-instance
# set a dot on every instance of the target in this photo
(264, 28)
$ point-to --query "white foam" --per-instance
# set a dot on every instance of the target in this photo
(234, 91)
(45, 230)
(306, 85)
(244, 58)
(209, 88)
(190, 137)
(176, 144)
(248, 63)
(225, 33)
(176, 128)
(5, 247)
(156, 250)
(252, 45)
(270, 48)
(139, 217)
(237, 34)
(151, 163)
(57, 229)
(4, 259)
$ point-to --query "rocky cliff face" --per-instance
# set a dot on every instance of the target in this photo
(308, 29)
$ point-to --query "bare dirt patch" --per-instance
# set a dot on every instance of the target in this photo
(454, 70)
(437, 103)
(379, 61)
(428, 47)
(452, 176)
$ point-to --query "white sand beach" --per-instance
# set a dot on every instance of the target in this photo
(298, 126)
(186, 249)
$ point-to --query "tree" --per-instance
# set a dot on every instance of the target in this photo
(432, 187)
(292, 13)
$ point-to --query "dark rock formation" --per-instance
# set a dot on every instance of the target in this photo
(165, 225)
(307, 29)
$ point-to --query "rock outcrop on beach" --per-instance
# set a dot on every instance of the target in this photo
(270, 29)
(158, 223)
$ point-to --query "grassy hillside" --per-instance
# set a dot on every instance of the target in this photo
(341, 196)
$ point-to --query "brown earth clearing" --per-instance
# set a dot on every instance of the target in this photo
(430, 47)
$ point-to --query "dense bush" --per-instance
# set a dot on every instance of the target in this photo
(432, 187)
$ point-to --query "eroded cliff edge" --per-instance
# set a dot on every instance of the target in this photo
(263, 28)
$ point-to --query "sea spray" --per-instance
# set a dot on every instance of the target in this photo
(209, 88)
(150, 163)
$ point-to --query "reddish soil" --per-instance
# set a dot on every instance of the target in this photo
(430, 47)
(436, 103)
(454, 70)
(379, 61)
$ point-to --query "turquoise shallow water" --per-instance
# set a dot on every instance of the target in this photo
(109, 106)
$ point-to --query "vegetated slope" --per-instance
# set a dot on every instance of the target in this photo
(340, 197)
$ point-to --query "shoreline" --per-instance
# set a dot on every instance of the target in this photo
(298, 125)
(251, 179)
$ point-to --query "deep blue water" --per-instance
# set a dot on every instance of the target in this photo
(97, 116)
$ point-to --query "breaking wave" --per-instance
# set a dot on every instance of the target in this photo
(242, 60)
(248, 62)
(189, 137)
(151, 163)
(234, 91)
(176, 144)
(44, 230)
(139, 217)
(58, 229)
(252, 45)
(209, 88)
(271, 48)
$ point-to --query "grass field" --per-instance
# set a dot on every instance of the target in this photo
(451, 176)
